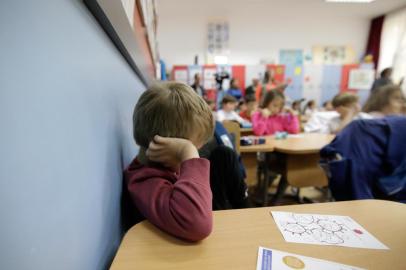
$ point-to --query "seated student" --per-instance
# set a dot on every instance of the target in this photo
(320, 122)
(250, 107)
(198, 87)
(270, 118)
(168, 182)
(309, 109)
(367, 160)
(296, 106)
(384, 80)
(227, 173)
(253, 88)
(235, 90)
(387, 100)
(348, 107)
(327, 106)
(227, 112)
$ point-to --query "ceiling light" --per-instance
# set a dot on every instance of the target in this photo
(349, 1)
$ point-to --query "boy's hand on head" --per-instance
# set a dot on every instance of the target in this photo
(171, 152)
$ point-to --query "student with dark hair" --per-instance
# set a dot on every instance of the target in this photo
(385, 79)
(250, 107)
(253, 88)
(310, 108)
(227, 112)
(270, 118)
(235, 90)
(198, 87)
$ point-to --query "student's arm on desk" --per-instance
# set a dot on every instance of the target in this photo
(182, 209)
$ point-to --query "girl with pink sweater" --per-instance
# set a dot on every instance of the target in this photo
(270, 118)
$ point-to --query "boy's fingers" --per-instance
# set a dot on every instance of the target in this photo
(159, 139)
(154, 146)
(154, 152)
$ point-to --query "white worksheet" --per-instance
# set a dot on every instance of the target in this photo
(324, 230)
(271, 259)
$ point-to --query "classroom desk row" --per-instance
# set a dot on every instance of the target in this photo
(299, 155)
(237, 234)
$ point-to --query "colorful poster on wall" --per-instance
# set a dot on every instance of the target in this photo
(238, 72)
(291, 57)
(278, 72)
(345, 75)
(180, 74)
(333, 55)
(209, 74)
(294, 76)
(361, 79)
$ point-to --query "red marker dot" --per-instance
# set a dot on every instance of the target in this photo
(358, 231)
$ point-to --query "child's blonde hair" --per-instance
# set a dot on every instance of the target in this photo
(380, 98)
(171, 109)
(344, 99)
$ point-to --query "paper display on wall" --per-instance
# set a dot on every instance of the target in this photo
(209, 81)
(361, 79)
(332, 55)
(291, 57)
(324, 230)
(271, 259)
(217, 37)
(181, 75)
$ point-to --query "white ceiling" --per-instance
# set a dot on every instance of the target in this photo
(360, 10)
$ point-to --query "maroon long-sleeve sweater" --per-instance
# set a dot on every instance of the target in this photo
(179, 203)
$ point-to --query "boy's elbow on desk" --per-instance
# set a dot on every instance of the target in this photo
(200, 230)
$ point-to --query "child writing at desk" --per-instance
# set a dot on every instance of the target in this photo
(270, 118)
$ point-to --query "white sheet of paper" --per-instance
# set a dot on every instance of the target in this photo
(295, 136)
(324, 230)
(271, 259)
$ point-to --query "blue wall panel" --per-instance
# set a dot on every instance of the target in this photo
(66, 101)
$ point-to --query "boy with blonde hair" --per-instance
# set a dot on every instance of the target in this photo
(168, 182)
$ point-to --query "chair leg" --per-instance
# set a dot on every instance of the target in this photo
(283, 184)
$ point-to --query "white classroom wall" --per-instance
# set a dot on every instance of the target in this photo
(258, 29)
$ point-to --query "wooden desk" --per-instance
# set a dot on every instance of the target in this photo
(249, 158)
(302, 160)
(301, 153)
(237, 234)
(305, 143)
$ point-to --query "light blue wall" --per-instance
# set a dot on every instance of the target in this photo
(66, 100)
